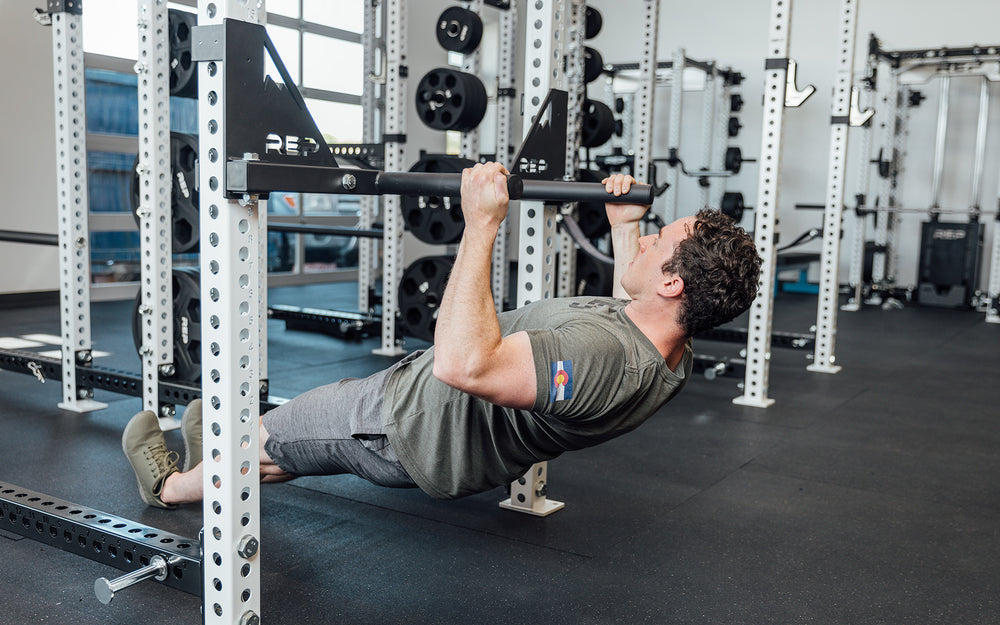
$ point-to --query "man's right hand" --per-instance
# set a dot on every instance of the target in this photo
(620, 214)
(484, 195)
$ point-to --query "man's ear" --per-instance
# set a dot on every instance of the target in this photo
(672, 286)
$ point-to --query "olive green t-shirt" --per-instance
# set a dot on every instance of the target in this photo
(598, 377)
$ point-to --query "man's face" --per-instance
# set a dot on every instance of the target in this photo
(645, 272)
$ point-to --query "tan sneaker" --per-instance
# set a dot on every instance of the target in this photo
(146, 448)
(191, 432)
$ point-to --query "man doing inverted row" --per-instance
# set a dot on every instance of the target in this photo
(498, 393)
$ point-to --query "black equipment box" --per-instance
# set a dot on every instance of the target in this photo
(948, 273)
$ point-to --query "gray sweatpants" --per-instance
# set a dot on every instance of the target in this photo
(336, 429)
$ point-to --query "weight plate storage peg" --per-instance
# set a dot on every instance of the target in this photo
(592, 22)
(183, 194)
(448, 99)
(420, 293)
(598, 124)
(459, 30)
(432, 218)
(732, 205)
(734, 159)
(186, 327)
(593, 64)
(183, 72)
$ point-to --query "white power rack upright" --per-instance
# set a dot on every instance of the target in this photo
(71, 186)
(845, 101)
(231, 276)
(543, 69)
(154, 210)
(779, 93)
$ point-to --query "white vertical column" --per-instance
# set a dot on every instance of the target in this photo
(641, 126)
(856, 272)
(993, 286)
(888, 95)
(154, 210)
(708, 101)
(674, 133)
(543, 58)
(471, 64)
(722, 113)
(395, 152)
(505, 143)
(230, 274)
(826, 311)
(575, 89)
(369, 203)
(71, 186)
(761, 312)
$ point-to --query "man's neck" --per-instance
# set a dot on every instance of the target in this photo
(658, 322)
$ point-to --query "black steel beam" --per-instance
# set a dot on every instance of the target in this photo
(337, 323)
(101, 378)
(323, 230)
(105, 538)
(718, 366)
(34, 238)
(790, 340)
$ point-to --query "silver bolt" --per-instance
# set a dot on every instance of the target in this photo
(248, 547)
(80, 242)
(139, 67)
(168, 370)
(249, 618)
(350, 182)
(168, 412)
(251, 156)
(540, 489)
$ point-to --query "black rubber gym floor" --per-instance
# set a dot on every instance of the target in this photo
(869, 496)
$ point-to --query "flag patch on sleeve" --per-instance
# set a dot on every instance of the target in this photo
(561, 381)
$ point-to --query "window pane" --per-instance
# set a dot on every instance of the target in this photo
(339, 123)
(286, 42)
(343, 14)
(283, 7)
(114, 257)
(110, 181)
(333, 64)
(109, 29)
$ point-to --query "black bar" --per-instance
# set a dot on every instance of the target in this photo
(812, 206)
(100, 378)
(584, 192)
(257, 177)
(790, 340)
(105, 538)
(319, 229)
(35, 238)
(776, 63)
(705, 66)
(735, 367)
(432, 183)
(337, 323)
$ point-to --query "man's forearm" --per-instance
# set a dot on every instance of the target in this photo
(625, 244)
(467, 330)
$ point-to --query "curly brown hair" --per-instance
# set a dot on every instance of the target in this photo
(719, 264)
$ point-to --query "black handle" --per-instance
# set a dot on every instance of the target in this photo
(450, 185)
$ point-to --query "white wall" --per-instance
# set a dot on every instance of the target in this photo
(734, 33)
(27, 167)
